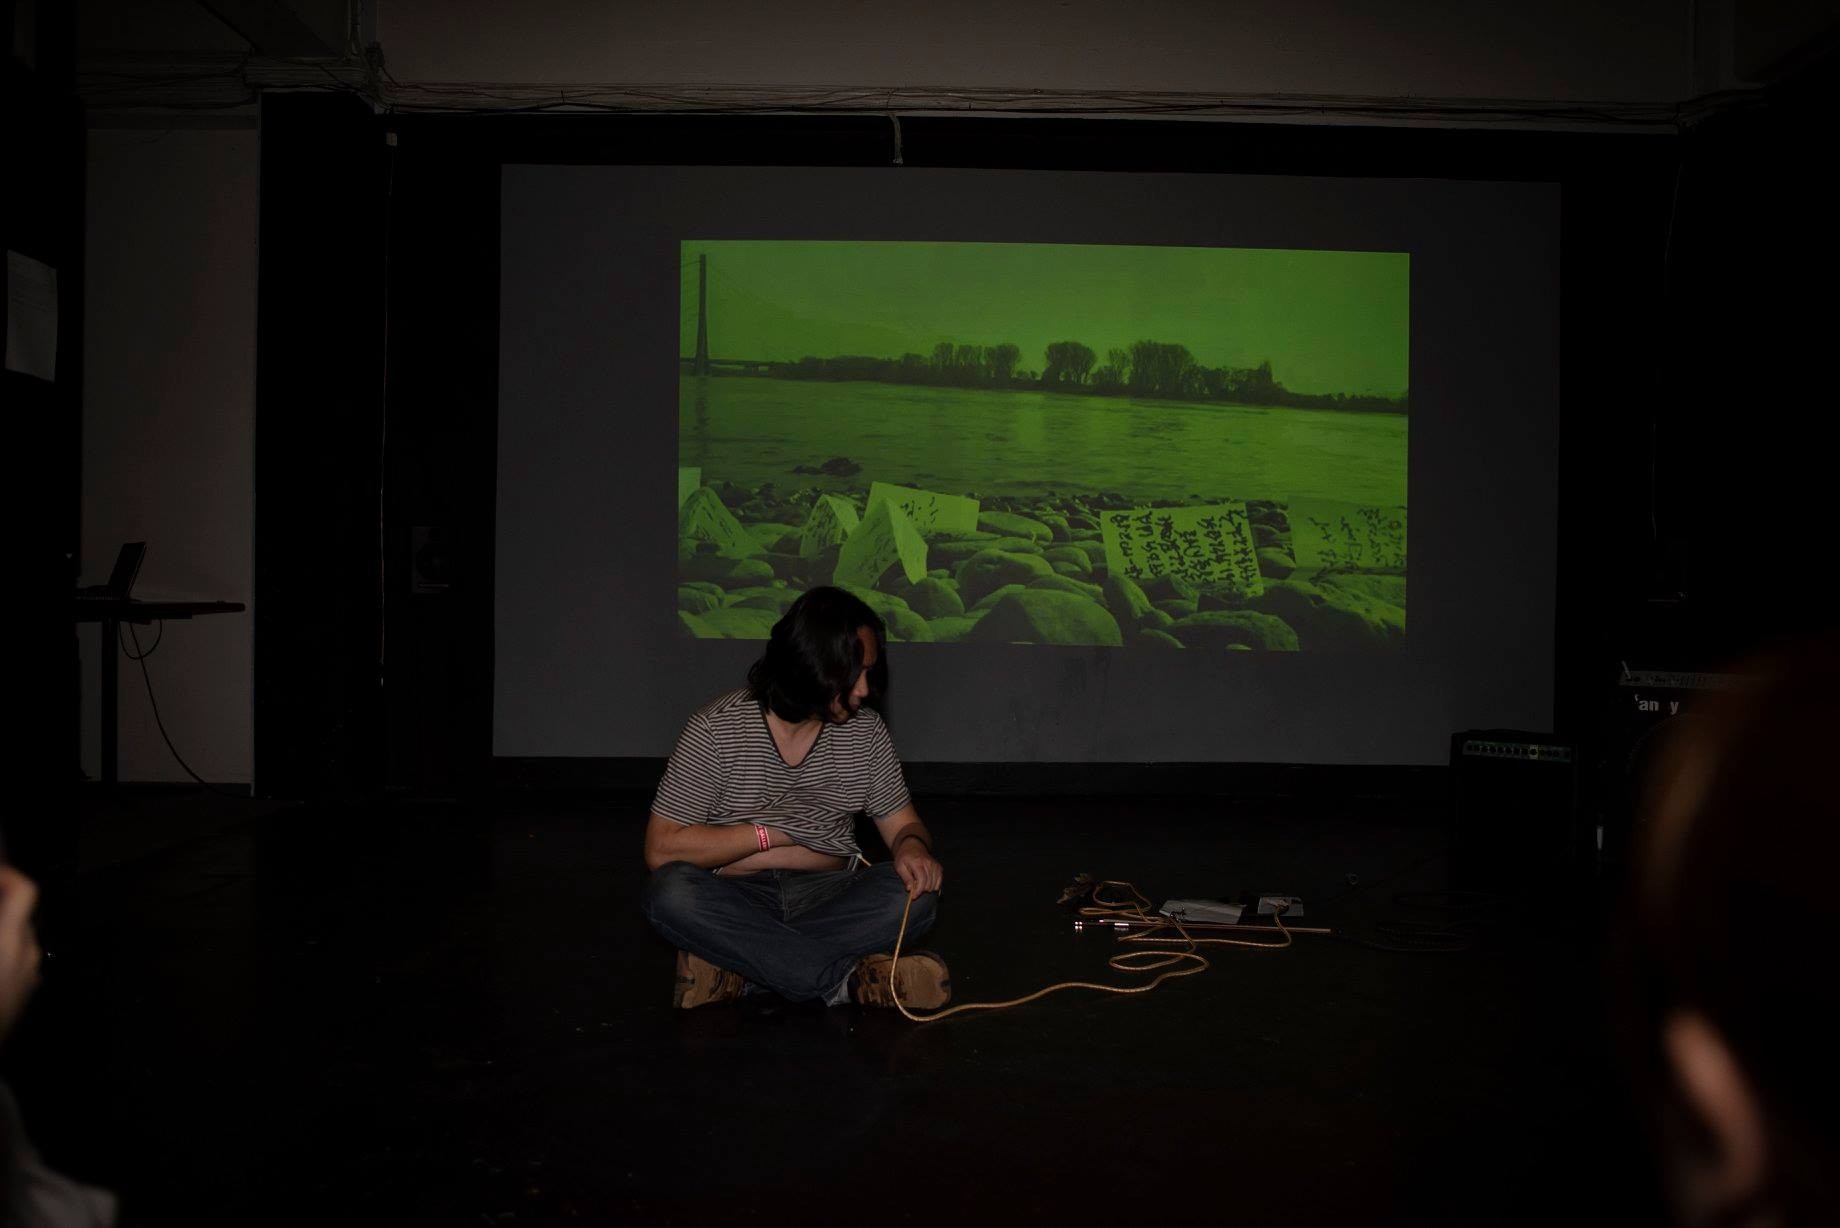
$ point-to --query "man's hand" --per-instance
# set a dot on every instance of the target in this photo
(19, 953)
(916, 865)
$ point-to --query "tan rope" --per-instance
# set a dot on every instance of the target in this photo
(1136, 908)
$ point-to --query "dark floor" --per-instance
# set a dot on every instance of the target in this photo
(436, 1014)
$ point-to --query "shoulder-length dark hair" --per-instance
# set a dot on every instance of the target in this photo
(1732, 903)
(815, 655)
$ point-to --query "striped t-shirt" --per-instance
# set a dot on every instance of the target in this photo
(727, 769)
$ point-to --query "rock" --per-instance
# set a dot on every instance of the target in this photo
(1069, 560)
(749, 571)
(1275, 564)
(1389, 590)
(995, 595)
(836, 466)
(1168, 588)
(767, 511)
(775, 536)
(1011, 525)
(803, 573)
(882, 603)
(992, 569)
(697, 600)
(952, 553)
(1332, 617)
(736, 623)
(1175, 608)
(951, 630)
(1230, 628)
(1043, 616)
(1262, 511)
(932, 598)
(762, 598)
(1067, 584)
(1150, 638)
(697, 627)
(908, 627)
(1264, 535)
(706, 568)
(1221, 595)
(1126, 600)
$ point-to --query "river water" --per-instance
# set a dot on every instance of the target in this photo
(968, 441)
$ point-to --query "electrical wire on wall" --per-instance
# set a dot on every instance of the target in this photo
(223, 82)
(383, 424)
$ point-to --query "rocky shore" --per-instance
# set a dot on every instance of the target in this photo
(1032, 572)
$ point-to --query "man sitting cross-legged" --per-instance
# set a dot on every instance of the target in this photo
(756, 877)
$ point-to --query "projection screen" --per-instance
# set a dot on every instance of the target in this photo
(1126, 463)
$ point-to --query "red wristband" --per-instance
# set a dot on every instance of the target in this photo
(760, 834)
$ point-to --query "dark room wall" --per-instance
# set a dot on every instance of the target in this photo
(168, 428)
(1547, 49)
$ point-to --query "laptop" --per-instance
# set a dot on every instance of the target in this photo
(121, 580)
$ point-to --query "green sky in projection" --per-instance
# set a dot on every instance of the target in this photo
(1327, 321)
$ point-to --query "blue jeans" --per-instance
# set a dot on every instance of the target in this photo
(796, 932)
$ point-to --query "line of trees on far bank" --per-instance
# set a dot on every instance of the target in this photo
(1159, 369)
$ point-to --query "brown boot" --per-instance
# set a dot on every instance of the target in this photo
(700, 983)
(922, 979)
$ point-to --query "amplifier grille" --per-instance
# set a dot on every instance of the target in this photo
(1481, 748)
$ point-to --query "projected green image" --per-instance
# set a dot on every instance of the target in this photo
(1147, 447)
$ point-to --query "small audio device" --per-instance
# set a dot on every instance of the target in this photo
(1211, 911)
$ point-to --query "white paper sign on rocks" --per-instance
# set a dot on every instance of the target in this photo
(1348, 535)
(703, 518)
(833, 518)
(928, 511)
(1204, 545)
(882, 539)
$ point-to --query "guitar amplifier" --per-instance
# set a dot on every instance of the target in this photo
(1514, 822)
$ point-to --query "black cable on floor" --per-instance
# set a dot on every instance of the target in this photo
(139, 657)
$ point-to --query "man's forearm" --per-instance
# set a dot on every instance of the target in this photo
(915, 830)
(791, 857)
(709, 844)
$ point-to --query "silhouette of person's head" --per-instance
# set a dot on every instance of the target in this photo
(827, 657)
(1734, 938)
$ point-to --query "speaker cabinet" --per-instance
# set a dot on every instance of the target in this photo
(1514, 819)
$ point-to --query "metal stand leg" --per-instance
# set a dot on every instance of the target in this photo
(111, 652)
